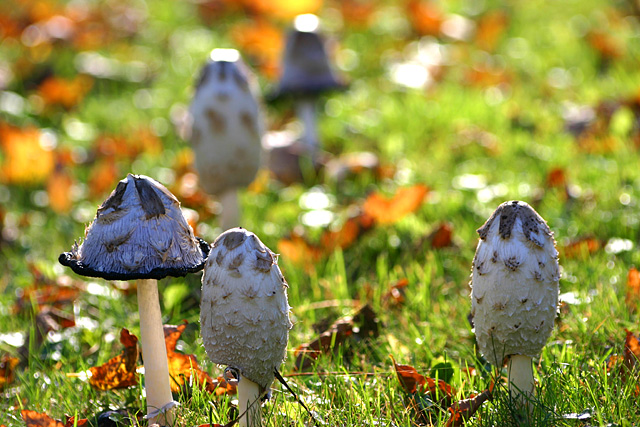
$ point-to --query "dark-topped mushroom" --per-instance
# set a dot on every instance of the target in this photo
(139, 233)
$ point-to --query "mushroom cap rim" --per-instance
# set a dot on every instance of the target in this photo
(68, 259)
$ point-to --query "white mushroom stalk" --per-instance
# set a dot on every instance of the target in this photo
(139, 233)
(244, 315)
(227, 128)
(514, 295)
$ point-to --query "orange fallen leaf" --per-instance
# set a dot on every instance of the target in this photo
(425, 16)
(27, 161)
(65, 92)
(262, 41)
(298, 251)
(491, 27)
(7, 367)
(182, 367)
(486, 76)
(347, 235)
(388, 211)
(37, 419)
(59, 191)
(556, 178)
(633, 290)
(605, 45)
(395, 296)
(103, 177)
(46, 292)
(580, 248)
(120, 371)
(357, 13)
(71, 422)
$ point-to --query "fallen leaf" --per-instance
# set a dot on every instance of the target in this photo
(425, 16)
(120, 371)
(626, 366)
(37, 419)
(183, 367)
(389, 211)
(580, 248)
(357, 13)
(395, 296)
(65, 92)
(633, 290)
(485, 76)
(556, 178)
(71, 422)
(490, 29)
(605, 45)
(103, 177)
(298, 251)
(45, 291)
(442, 236)
(59, 191)
(362, 324)
(7, 367)
(465, 409)
(27, 159)
(261, 41)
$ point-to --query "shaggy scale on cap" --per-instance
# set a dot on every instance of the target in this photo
(244, 314)
(514, 282)
(139, 232)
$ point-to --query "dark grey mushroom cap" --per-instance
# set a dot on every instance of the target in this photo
(306, 70)
(139, 232)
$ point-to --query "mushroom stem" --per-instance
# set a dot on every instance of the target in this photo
(230, 216)
(154, 352)
(521, 382)
(306, 112)
(248, 393)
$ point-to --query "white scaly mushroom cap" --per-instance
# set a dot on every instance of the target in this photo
(244, 313)
(139, 230)
(227, 124)
(514, 282)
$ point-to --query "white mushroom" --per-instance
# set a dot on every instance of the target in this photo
(139, 233)
(514, 294)
(244, 315)
(227, 127)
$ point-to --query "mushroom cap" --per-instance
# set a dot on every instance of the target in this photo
(227, 124)
(244, 313)
(514, 283)
(139, 232)
(306, 70)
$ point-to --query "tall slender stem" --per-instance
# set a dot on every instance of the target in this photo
(306, 112)
(248, 393)
(230, 216)
(154, 352)
(521, 382)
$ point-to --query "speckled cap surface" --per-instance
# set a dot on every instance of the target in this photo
(139, 232)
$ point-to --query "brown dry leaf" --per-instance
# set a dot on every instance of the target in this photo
(605, 44)
(120, 371)
(556, 178)
(262, 41)
(362, 324)
(491, 28)
(298, 251)
(389, 211)
(395, 296)
(347, 235)
(59, 191)
(103, 177)
(37, 419)
(47, 292)
(580, 248)
(413, 382)
(442, 236)
(425, 17)
(486, 76)
(628, 364)
(27, 161)
(465, 409)
(633, 290)
(71, 421)
(7, 366)
(183, 366)
(64, 92)
(357, 13)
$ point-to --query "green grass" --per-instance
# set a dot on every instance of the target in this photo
(425, 135)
